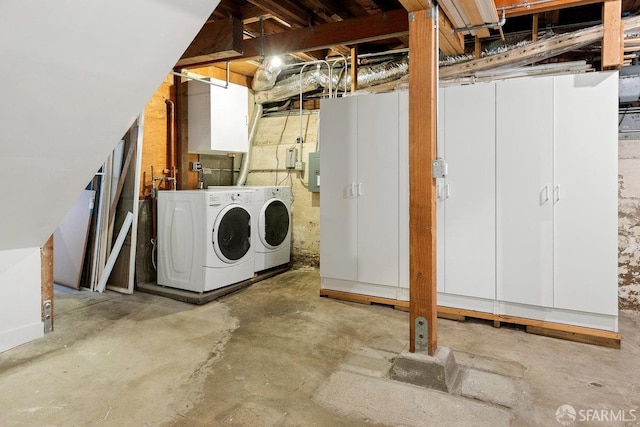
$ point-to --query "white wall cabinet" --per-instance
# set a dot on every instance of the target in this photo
(218, 118)
(360, 237)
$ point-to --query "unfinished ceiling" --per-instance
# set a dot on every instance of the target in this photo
(245, 32)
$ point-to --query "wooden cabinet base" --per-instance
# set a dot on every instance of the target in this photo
(537, 327)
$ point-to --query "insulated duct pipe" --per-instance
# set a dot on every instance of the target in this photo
(246, 157)
(311, 80)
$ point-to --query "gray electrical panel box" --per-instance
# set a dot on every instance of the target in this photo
(314, 172)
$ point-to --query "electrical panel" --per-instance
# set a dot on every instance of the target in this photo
(314, 172)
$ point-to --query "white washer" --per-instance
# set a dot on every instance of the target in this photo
(204, 238)
(272, 223)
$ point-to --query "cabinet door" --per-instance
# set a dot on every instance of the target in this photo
(524, 177)
(586, 199)
(377, 188)
(469, 126)
(338, 204)
(440, 201)
(403, 194)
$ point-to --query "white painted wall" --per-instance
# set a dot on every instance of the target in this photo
(20, 319)
(75, 74)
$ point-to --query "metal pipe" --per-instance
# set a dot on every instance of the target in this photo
(173, 155)
(246, 157)
(203, 79)
(388, 52)
(335, 61)
(319, 63)
(526, 4)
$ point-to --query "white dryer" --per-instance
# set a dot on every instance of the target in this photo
(204, 238)
(272, 238)
(273, 241)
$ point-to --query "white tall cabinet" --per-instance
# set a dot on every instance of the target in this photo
(364, 233)
(524, 210)
(549, 207)
(466, 197)
(527, 215)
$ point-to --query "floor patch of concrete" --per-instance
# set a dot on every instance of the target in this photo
(490, 388)
(389, 402)
(371, 362)
(146, 369)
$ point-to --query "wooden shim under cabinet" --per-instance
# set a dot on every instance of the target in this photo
(536, 327)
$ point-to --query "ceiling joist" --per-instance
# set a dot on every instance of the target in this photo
(289, 11)
(352, 31)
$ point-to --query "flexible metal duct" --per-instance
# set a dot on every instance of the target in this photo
(267, 74)
(377, 74)
(368, 76)
(289, 87)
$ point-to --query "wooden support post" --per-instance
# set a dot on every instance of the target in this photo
(478, 47)
(612, 54)
(534, 28)
(423, 89)
(46, 278)
(354, 69)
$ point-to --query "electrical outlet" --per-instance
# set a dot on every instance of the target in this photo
(299, 166)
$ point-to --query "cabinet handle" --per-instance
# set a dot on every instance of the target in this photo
(447, 192)
(557, 193)
(353, 189)
(544, 195)
(439, 191)
(360, 189)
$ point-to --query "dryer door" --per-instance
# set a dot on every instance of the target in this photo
(273, 223)
(231, 235)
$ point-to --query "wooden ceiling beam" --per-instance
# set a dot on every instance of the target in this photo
(253, 14)
(451, 43)
(415, 5)
(332, 8)
(349, 32)
(369, 6)
(471, 10)
(540, 7)
(217, 40)
(287, 10)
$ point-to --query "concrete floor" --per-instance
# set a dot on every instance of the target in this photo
(276, 354)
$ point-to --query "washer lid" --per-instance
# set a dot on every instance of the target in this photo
(231, 235)
(274, 223)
